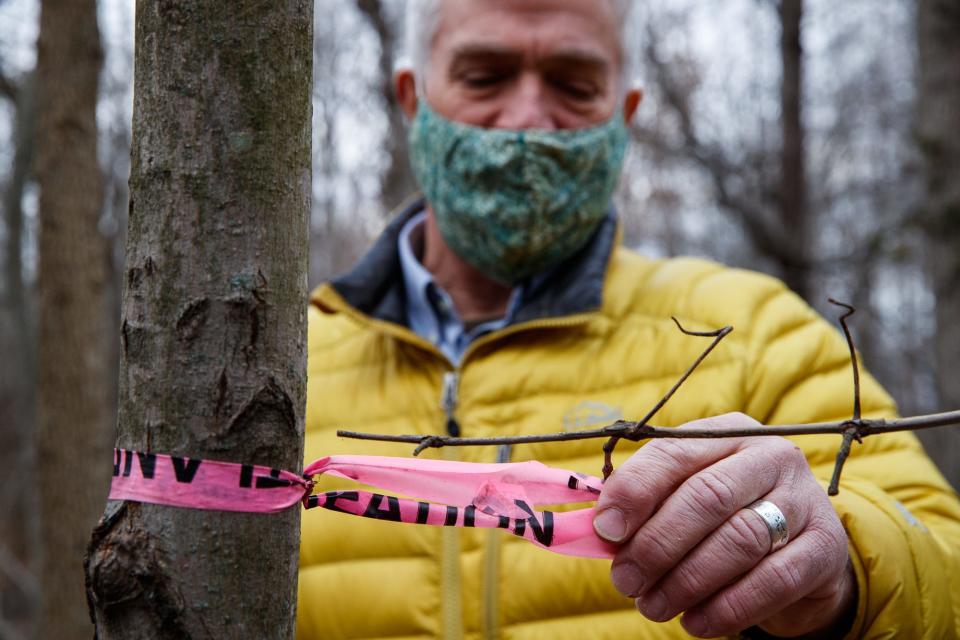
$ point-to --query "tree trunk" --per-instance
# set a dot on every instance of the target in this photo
(794, 212)
(72, 420)
(18, 500)
(214, 314)
(938, 35)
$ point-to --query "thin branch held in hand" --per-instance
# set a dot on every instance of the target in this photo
(635, 432)
(853, 354)
(856, 428)
(717, 336)
(853, 431)
(849, 435)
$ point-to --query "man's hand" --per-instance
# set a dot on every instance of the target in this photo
(677, 507)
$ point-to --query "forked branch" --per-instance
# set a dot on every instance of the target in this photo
(611, 443)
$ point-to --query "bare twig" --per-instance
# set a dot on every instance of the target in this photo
(853, 432)
(849, 435)
(635, 432)
(717, 336)
(853, 354)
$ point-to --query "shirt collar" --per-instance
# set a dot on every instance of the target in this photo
(430, 310)
(374, 285)
(417, 281)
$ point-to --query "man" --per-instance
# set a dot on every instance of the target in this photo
(500, 304)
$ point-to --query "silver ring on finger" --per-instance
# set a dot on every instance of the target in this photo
(775, 520)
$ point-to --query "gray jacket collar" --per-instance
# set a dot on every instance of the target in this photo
(375, 284)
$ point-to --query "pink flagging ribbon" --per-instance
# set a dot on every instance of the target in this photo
(442, 493)
(203, 484)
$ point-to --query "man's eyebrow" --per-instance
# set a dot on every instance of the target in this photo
(568, 56)
(474, 50)
(578, 58)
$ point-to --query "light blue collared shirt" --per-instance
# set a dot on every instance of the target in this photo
(430, 310)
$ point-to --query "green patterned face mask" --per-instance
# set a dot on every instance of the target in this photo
(513, 203)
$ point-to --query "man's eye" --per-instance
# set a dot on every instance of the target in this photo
(480, 80)
(577, 90)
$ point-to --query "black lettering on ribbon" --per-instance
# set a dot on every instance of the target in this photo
(574, 483)
(503, 522)
(423, 512)
(312, 501)
(148, 464)
(469, 516)
(127, 462)
(373, 510)
(519, 526)
(331, 498)
(272, 481)
(451, 518)
(542, 531)
(185, 471)
(117, 455)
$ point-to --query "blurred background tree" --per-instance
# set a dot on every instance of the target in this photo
(810, 139)
(938, 134)
(72, 408)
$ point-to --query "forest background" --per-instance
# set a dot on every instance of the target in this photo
(796, 137)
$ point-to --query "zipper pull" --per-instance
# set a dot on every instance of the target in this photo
(448, 402)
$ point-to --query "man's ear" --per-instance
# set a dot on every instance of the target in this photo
(405, 86)
(630, 103)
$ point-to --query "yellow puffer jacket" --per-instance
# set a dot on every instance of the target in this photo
(361, 578)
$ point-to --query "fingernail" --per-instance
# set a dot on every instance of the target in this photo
(653, 606)
(610, 525)
(626, 578)
(694, 623)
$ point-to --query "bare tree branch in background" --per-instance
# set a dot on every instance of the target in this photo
(325, 248)
(8, 89)
(19, 527)
(795, 216)
(398, 181)
(770, 206)
(348, 197)
(938, 103)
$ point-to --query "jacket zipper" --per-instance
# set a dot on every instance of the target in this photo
(490, 619)
(450, 589)
(451, 603)
(448, 401)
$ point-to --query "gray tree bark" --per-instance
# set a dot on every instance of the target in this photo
(938, 128)
(72, 421)
(213, 349)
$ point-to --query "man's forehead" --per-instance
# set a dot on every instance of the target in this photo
(583, 30)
